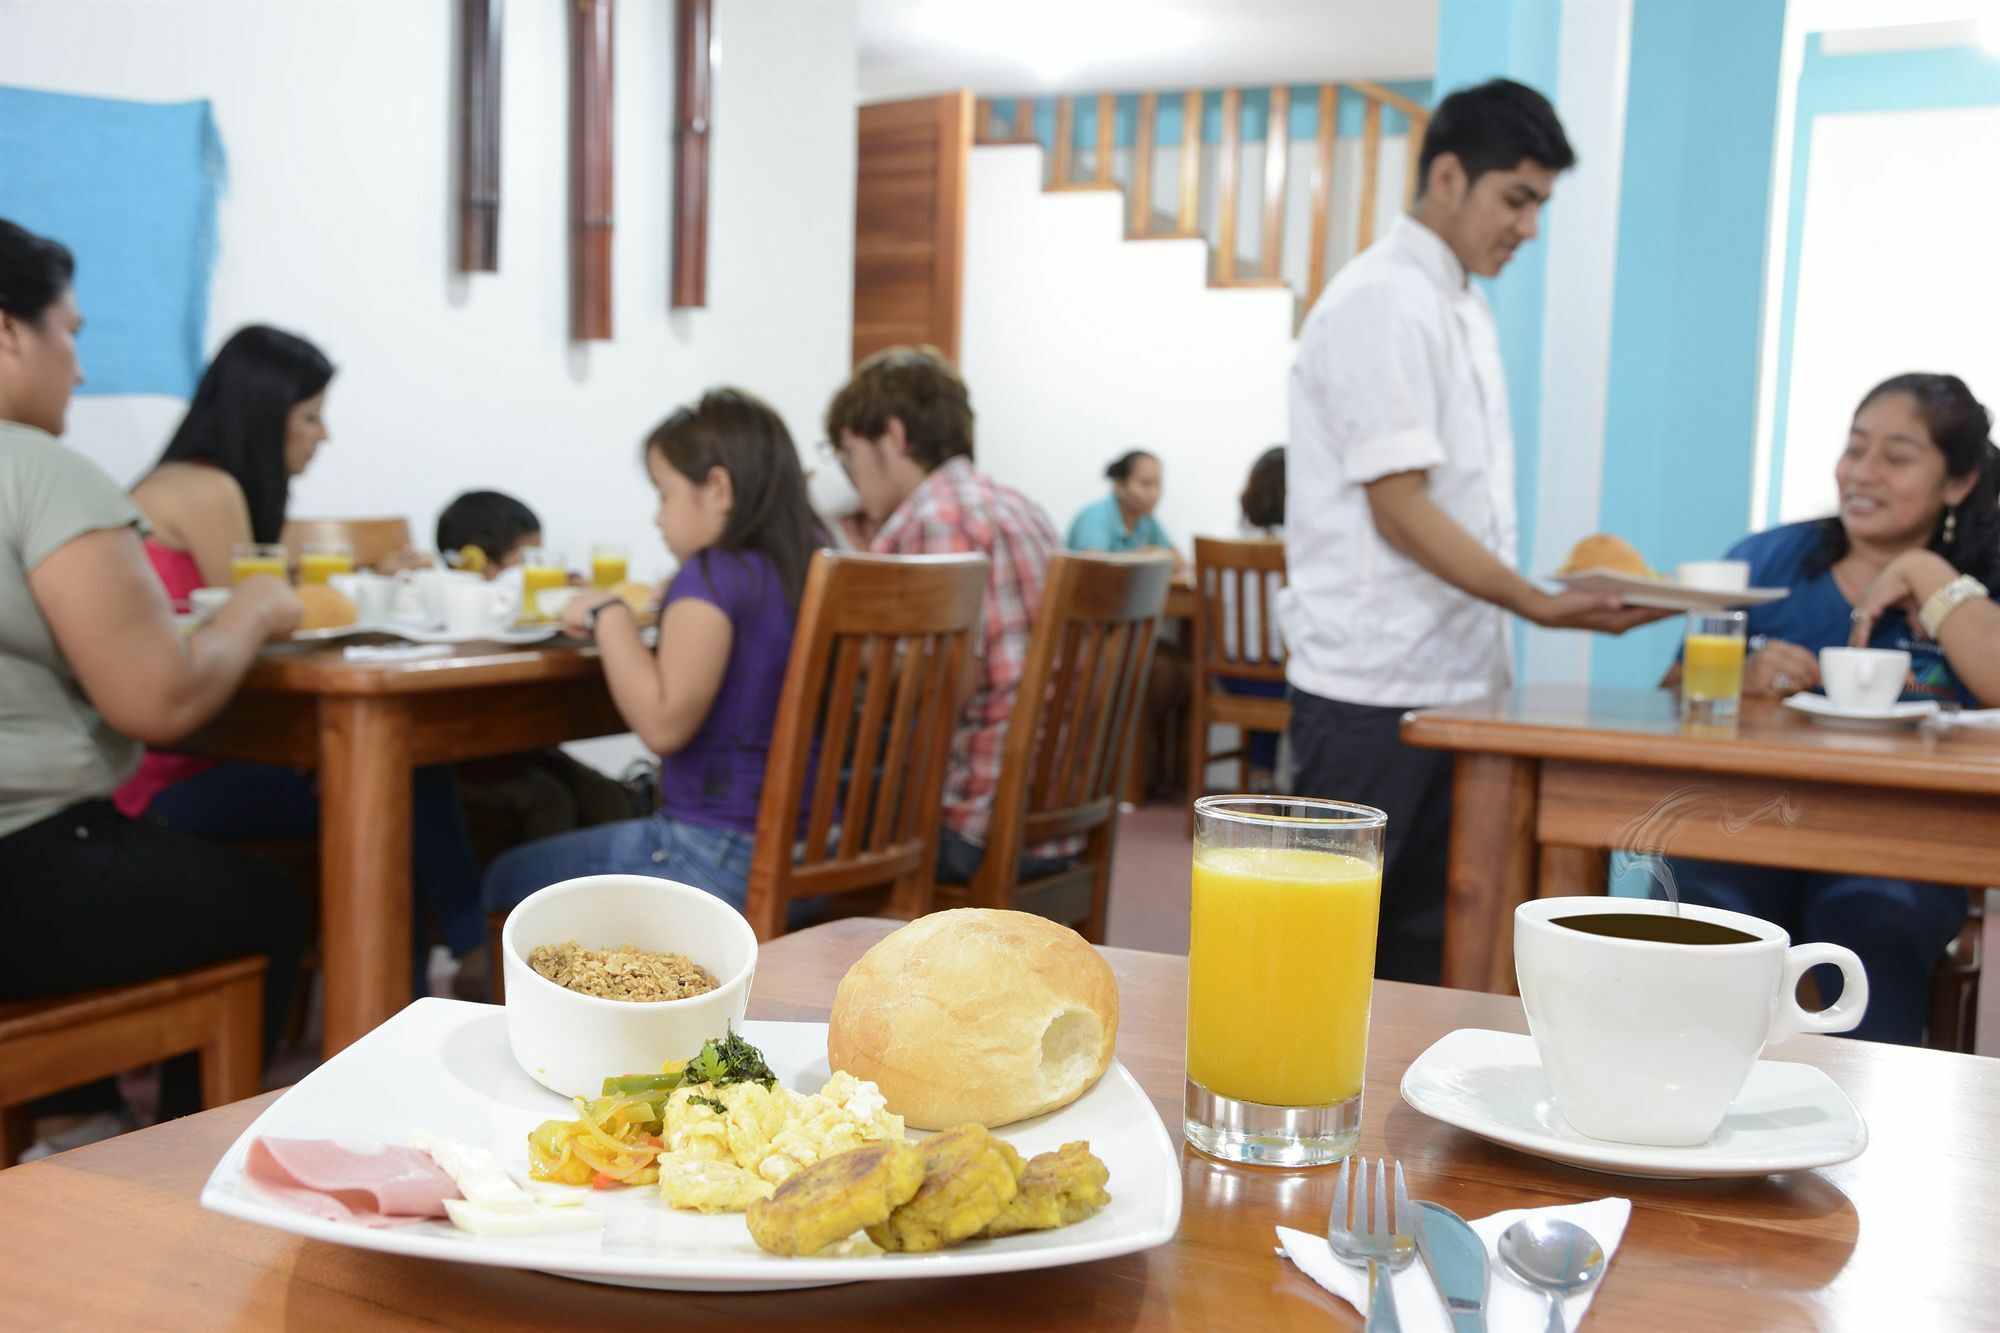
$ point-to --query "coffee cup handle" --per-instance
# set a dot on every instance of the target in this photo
(1793, 1018)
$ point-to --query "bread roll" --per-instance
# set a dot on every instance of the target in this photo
(1601, 550)
(976, 1016)
(320, 607)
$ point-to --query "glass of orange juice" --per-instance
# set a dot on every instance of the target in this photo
(1281, 959)
(541, 567)
(247, 558)
(1712, 666)
(319, 561)
(607, 565)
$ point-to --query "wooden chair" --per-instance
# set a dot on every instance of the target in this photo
(1954, 1016)
(1236, 637)
(870, 698)
(1074, 728)
(49, 1045)
(369, 538)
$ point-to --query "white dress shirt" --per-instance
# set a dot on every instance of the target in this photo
(1398, 370)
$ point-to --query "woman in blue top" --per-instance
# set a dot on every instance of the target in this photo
(1123, 521)
(1907, 562)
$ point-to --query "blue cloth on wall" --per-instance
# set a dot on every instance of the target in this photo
(131, 189)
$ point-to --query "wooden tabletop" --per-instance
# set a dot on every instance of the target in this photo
(1907, 1235)
(1644, 727)
(323, 668)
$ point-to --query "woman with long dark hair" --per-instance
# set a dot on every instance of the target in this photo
(733, 510)
(256, 420)
(91, 666)
(1910, 561)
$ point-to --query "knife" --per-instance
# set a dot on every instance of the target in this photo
(1456, 1258)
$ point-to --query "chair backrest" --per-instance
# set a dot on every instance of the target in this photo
(1236, 633)
(863, 730)
(1063, 761)
(369, 538)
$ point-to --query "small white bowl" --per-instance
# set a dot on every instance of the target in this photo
(1714, 575)
(205, 602)
(570, 1043)
(551, 601)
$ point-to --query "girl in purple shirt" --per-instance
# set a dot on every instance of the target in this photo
(733, 510)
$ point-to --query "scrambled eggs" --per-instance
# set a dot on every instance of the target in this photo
(723, 1161)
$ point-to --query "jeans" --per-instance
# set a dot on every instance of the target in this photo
(94, 899)
(959, 860)
(1355, 752)
(237, 800)
(1898, 929)
(1263, 745)
(714, 860)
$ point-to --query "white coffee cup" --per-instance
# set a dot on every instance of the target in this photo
(431, 583)
(1864, 679)
(205, 602)
(1648, 1042)
(1714, 575)
(476, 608)
(374, 595)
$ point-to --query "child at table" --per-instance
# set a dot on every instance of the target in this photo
(734, 512)
(518, 798)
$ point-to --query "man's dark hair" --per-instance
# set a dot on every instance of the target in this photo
(919, 387)
(493, 521)
(1494, 127)
(34, 272)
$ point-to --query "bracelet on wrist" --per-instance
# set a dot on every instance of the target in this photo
(1937, 608)
(601, 608)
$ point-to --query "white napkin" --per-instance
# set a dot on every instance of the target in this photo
(393, 652)
(1972, 717)
(1510, 1303)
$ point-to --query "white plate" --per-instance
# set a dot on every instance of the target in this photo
(337, 632)
(1895, 715)
(1665, 593)
(516, 635)
(444, 1065)
(1789, 1117)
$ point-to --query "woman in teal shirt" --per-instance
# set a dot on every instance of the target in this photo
(1123, 521)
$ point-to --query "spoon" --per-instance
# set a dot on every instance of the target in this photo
(1556, 1256)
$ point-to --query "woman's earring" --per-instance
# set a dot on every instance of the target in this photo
(1950, 525)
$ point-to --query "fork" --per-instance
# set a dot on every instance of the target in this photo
(1386, 1244)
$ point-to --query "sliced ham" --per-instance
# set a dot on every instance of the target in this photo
(374, 1186)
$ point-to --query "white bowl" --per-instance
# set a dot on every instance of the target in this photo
(570, 1043)
(551, 601)
(205, 602)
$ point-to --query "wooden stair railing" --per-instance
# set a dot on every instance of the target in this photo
(1226, 263)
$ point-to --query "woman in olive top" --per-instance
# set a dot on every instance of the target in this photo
(92, 667)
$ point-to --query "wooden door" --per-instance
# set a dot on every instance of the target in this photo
(909, 222)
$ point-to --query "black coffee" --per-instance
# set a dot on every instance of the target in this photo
(1659, 929)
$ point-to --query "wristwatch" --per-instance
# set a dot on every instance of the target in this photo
(600, 609)
(1947, 599)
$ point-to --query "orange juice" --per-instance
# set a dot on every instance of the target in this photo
(606, 571)
(318, 566)
(534, 578)
(1281, 954)
(1712, 666)
(243, 566)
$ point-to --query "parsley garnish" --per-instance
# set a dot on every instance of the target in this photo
(731, 1060)
(696, 1099)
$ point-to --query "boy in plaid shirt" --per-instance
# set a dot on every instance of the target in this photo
(902, 430)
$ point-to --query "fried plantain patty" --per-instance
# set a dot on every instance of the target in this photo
(1056, 1189)
(837, 1196)
(968, 1178)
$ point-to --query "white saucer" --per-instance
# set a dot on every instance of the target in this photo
(1665, 594)
(1821, 708)
(1789, 1117)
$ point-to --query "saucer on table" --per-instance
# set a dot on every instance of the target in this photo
(1788, 1117)
(1902, 714)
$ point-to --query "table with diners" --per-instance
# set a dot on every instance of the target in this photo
(1549, 778)
(1905, 1235)
(364, 726)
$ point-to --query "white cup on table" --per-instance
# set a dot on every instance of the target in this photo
(373, 595)
(476, 608)
(1864, 679)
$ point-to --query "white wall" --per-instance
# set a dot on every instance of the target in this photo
(1874, 182)
(337, 119)
(1079, 345)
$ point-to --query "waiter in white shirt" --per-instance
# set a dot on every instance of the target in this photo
(1399, 514)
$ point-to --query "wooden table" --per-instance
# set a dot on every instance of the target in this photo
(1821, 1249)
(364, 726)
(1550, 777)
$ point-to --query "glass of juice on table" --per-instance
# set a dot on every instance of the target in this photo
(607, 565)
(247, 558)
(1712, 666)
(1281, 957)
(541, 567)
(320, 561)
